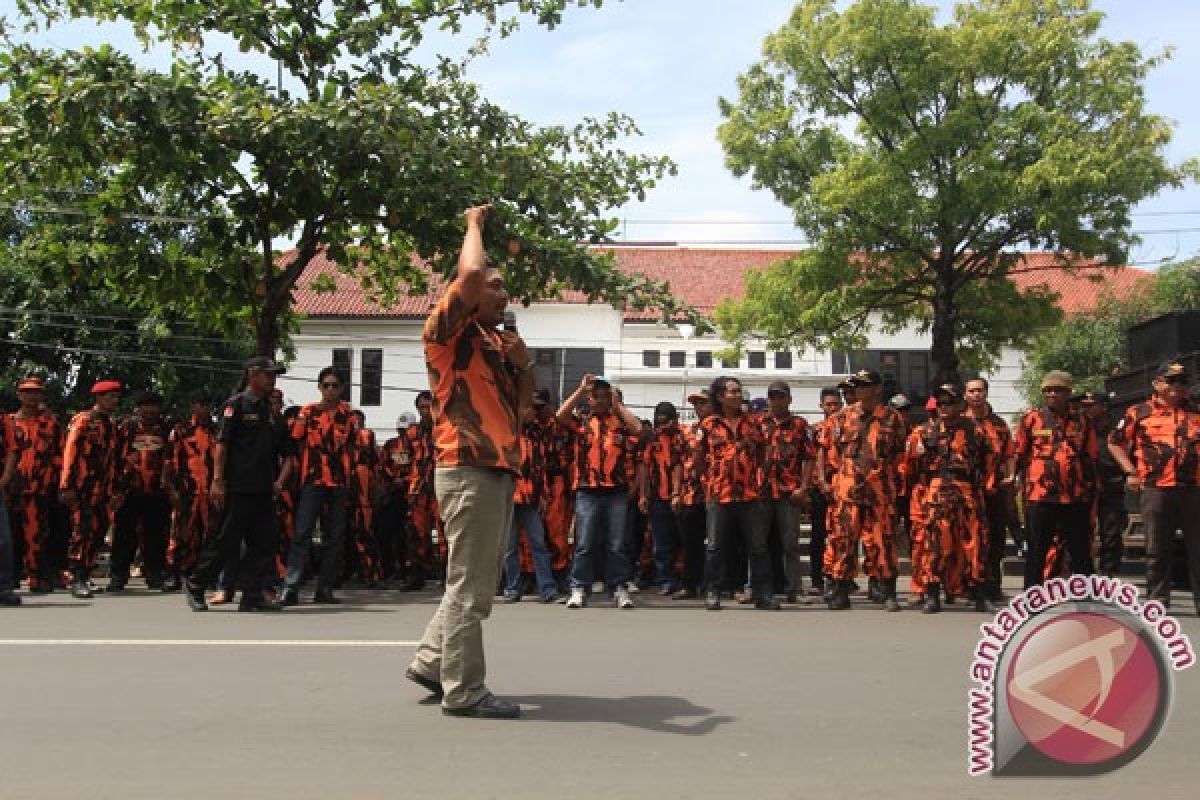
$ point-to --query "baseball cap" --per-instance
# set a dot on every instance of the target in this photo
(106, 386)
(406, 420)
(602, 380)
(1056, 379)
(702, 396)
(948, 390)
(779, 387)
(1171, 369)
(865, 377)
(264, 364)
(900, 401)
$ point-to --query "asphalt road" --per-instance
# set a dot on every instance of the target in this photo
(666, 701)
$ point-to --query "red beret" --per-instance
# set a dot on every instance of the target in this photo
(32, 383)
(931, 404)
(103, 387)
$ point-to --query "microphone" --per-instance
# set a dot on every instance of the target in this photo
(510, 322)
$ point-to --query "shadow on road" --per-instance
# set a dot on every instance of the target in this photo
(651, 713)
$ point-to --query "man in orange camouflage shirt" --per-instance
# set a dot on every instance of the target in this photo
(143, 518)
(325, 435)
(31, 493)
(999, 485)
(863, 443)
(1056, 450)
(1157, 443)
(187, 476)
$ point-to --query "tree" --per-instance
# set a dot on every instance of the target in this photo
(70, 328)
(1090, 346)
(371, 159)
(918, 159)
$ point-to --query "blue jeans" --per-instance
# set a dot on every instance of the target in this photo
(8, 576)
(665, 527)
(528, 516)
(600, 513)
(309, 503)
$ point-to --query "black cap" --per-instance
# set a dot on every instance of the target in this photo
(700, 396)
(1171, 369)
(541, 397)
(865, 377)
(666, 409)
(148, 399)
(1089, 398)
(948, 390)
(779, 387)
(264, 364)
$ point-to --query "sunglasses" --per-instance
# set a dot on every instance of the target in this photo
(331, 386)
(1054, 390)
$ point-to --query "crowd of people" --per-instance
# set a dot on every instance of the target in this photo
(258, 499)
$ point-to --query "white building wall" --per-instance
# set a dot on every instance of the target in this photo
(595, 326)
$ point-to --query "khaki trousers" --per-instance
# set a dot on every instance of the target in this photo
(477, 510)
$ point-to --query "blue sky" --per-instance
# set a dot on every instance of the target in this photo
(665, 62)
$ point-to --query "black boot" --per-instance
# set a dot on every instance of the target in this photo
(874, 590)
(840, 600)
(325, 597)
(195, 597)
(982, 603)
(888, 586)
(172, 583)
(254, 601)
(933, 601)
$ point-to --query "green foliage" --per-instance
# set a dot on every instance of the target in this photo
(1092, 346)
(372, 161)
(917, 158)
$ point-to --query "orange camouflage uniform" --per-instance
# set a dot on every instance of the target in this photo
(864, 450)
(89, 470)
(38, 442)
(190, 449)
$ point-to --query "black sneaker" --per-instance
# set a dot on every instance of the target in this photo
(256, 602)
(767, 603)
(10, 599)
(712, 601)
(490, 707)
(195, 597)
(116, 585)
(172, 584)
(325, 597)
(428, 684)
(82, 590)
(289, 597)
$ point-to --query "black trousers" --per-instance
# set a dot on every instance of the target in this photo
(996, 511)
(693, 528)
(248, 519)
(391, 530)
(1112, 522)
(153, 513)
(819, 506)
(728, 522)
(1165, 511)
(1071, 521)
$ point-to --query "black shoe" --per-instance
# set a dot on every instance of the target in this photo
(490, 707)
(81, 590)
(712, 601)
(289, 597)
(888, 587)
(792, 597)
(933, 601)
(414, 583)
(982, 603)
(767, 603)
(325, 597)
(840, 599)
(155, 583)
(10, 599)
(428, 684)
(256, 602)
(116, 585)
(41, 588)
(684, 594)
(195, 597)
(874, 591)
(547, 599)
(172, 584)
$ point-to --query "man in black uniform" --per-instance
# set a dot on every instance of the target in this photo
(251, 465)
(1112, 518)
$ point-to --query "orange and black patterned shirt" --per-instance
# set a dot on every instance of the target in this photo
(39, 454)
(1000, 443)
(864, 450)
(558, 452)
(730, 457)
(789, 445)
(396, 462)
(693, 476)
(366, 463)
(531, 478)
(190, 448)
(8, 439)
(1163, 442)
(958, 451)
(475, 409)
(143, 448)
(423, 446)
(327, 443)
(665, 449)
(605, 452)
(90, 455)
(1057, 455)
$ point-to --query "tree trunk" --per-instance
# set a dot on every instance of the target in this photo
(942, 352)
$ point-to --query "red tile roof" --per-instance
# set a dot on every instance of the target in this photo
(703, 278)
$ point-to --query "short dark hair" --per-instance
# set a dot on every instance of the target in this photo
(424, 394)
(717, 389)
(981, 379)
(831, 391)
(359, 415)
(149, 398)
(325, 373)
